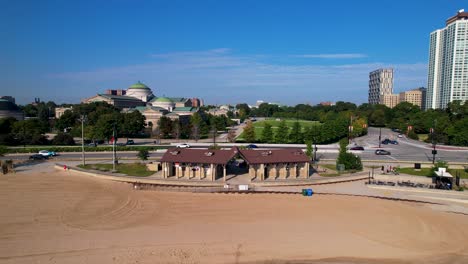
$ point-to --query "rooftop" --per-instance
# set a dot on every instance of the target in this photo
(138, 85)
(289, 155)
(461, 15)
(162, 100)
(205, 156)
(119, 97)
(185, 109)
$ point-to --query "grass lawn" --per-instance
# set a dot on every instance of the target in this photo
(259, 125)
(423, 137)
(331, 171)
(131, 169)
(427, 172)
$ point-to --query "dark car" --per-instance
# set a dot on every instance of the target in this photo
(386, 141)
(394, 142)
(382, 152)
(37, 157)
(130, 142)
(251, 146)
(357, 148)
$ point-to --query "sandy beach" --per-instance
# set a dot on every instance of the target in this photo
(51, 216)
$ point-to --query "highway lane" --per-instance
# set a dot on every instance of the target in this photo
(406, 150)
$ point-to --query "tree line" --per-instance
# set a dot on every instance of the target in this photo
(447, 126)
(101, 121)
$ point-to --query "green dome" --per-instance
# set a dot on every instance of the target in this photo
(163, 100)
(138, 85)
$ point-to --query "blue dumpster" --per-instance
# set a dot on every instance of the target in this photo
(310, 192)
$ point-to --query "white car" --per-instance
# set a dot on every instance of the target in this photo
(47, 153)
(400, 135)
(183, 145)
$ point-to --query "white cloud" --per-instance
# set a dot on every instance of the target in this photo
(332, 56)
(219, 76)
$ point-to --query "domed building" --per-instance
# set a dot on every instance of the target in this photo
(140, 91)
(10, 109)
(164, 102)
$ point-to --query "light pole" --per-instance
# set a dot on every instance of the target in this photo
(434, 151)
(114, 159)
(380, 136)
(82, 119)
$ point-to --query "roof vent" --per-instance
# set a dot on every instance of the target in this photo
(297, 153)
(175, 152)
(209, 154)
(266, 153)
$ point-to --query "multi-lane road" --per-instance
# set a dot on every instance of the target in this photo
(406, 150)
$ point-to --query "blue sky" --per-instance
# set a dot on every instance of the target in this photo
(222, 51)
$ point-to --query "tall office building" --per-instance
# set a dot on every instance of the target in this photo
(448, 63)
(380, 83)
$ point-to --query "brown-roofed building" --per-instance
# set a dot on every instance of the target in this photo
(212, 164)
(196, 163)
(276, 164)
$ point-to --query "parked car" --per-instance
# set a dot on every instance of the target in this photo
(251, 146)
(183, 145)
(130, 142)
(400, 135)
(394, 142)
(38, 157)
(382, 152)
(357, 148)
(386, 141)
(47, 153)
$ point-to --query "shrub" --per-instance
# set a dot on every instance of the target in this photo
(214, 147)
(63, 139)
(413, 135)
(143, 154)
(3, 150)
(350, 161)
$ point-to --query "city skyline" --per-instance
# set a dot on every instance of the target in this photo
(285, 52)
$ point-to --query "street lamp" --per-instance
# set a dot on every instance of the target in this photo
(82, 119)
(432, 130)
(114, 158)
(380, 136)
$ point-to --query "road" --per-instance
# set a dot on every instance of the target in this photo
(406, 150)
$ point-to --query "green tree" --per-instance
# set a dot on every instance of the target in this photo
(165, 126)
(195, 122)
(176, 129)
(68, 119)
(133, 123)
(63, 139)
(3, 150)
(377, 118)
(295, 135)
(281, 133)
(104, 128)
(249, 132)
(267, 133)
(309, 149)
(143, 154)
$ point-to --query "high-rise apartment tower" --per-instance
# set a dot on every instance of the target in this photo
(448, 63)
(380, 83)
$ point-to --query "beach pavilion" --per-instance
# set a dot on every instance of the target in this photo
(207, 164)
(275, 164)
(197, 163)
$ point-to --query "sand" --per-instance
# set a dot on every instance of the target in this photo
(58, 217)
